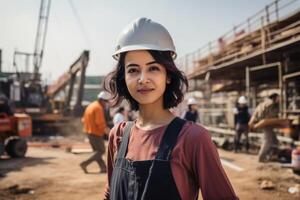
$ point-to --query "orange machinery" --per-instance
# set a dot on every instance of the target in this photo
(13, 131)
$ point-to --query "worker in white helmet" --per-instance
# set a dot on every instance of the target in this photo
(95, 126)
(241, 119)
(192, 113)
(157, 145)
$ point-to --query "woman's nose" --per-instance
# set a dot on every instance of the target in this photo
(143, 78)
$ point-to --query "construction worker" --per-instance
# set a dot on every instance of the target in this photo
(191, 114)
(241, 119)
(266, 110)
(95, 126)
(158, 156)
(119, 116)
(108, 117)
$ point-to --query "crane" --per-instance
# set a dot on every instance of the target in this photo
(41, 36)
(40, 40)
(37, 101)
(32, 93)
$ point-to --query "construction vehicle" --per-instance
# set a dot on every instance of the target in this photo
(13, 129)
(59, 100)
(68, 79)
(25, 88)
(48, 112)
(31, 90)
(27, 91)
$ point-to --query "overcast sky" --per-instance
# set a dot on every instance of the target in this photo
(95, 25)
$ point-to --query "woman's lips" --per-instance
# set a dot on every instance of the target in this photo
(144, 91)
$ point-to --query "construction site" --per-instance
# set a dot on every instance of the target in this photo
(42, 142)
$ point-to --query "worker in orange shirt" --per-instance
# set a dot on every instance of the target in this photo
(95, 126)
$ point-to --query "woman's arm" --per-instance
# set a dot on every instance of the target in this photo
(113, 145)
(211, 176)
(110, 162)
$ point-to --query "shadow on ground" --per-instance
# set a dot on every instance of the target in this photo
(16, 164)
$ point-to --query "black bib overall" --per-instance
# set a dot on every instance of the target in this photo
(146, 179)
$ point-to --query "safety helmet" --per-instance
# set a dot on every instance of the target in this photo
(242, 100)
(144, 34)
(104, 95)
(192, 101)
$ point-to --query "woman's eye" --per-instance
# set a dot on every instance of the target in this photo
(132, 70)
(154, 68)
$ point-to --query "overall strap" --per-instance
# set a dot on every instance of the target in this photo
(125, 140)
(169, 139)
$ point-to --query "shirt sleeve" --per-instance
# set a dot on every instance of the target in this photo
(113, 145)
(208, 170)
(256, 115)
(182, 116)
(100, 119)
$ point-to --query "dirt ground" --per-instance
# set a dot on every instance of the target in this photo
(49, 173)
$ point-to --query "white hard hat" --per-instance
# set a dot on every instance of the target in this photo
(104, 95)
(144, 34)
(191, 101)
(242, 100)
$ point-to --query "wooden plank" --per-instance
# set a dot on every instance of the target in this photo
(274, 122)
(231, 132)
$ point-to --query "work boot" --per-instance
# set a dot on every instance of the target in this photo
(83, 167)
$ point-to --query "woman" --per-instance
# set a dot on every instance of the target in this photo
(158, 156)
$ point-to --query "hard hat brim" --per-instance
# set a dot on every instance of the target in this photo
(141, 47)
(104, 96)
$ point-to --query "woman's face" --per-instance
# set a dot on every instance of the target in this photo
(145, 78)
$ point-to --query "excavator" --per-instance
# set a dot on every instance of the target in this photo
(34, 104)
(19, 123)
(36, 100)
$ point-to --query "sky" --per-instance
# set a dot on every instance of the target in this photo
(76, 25)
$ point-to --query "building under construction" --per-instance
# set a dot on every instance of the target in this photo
(255, 58)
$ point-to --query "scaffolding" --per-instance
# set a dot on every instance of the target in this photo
(257, 57)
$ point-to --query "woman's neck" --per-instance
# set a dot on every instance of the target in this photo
(150, 118)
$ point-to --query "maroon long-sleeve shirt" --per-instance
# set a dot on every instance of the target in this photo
(194, 161)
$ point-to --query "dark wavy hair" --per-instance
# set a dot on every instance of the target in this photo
(115, 83)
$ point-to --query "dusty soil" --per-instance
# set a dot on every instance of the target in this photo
(49, 173)
(246, 183)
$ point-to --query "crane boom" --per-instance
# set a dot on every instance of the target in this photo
(41, 36)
